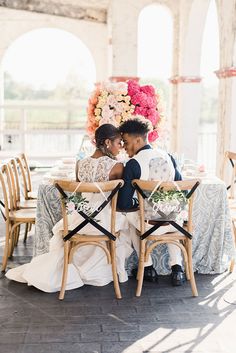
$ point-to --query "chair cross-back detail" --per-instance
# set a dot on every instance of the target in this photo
(13, 217)
(14, 174)
(26, 177)
(182, 237)
(230, 159)
(75, 238)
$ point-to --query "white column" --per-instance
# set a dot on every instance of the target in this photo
(226, 137)
(123, 22)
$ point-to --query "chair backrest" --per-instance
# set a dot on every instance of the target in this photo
(14, 175)
(7, 201)
(24, 173)
(230, 162)
(112, 186)
(145, 188)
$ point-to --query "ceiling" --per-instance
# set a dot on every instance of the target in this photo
(90, 10)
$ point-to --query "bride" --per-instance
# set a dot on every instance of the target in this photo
(89, 265)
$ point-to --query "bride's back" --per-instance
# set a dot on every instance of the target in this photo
(95, 169)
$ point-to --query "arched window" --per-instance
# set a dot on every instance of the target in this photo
(155, 47)
(209, 107)
(53, 67)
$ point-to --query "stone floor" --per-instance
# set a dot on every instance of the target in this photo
(91, 320)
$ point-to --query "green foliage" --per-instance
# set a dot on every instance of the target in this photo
(76, 202)
(167, 196)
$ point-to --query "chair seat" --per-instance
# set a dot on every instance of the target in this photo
(32, 195)
(27, 204)
(23, 215)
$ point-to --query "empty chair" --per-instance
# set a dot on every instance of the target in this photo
(25, 177)
(13, 217)
(18, 202)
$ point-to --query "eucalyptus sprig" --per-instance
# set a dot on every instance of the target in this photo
(168, 195)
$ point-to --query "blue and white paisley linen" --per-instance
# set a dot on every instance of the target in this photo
(213, 244)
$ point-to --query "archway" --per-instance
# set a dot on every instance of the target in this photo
(155, 37)
(52, 65)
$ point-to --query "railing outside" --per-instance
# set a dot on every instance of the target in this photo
(207, 142)
(56, 130)
(41, 130)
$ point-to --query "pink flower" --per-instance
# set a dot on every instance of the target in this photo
(107, 112)
(153, 119)
(151, 102)
(139, 98)
(140, 111)
(148, 89)
(71, 206)
(133, 87)
(153, 135)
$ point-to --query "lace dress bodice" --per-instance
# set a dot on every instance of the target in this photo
(95, 169)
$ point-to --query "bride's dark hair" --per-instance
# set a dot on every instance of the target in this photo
(104, 132)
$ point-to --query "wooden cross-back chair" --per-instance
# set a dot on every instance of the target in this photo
(181, 237)
(230, 160)
(18, 202)
(74, 239)
(24, 171)
(12, 216)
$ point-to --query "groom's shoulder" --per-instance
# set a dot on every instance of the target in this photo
(132, 167)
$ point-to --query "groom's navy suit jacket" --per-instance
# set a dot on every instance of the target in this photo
(132, 170)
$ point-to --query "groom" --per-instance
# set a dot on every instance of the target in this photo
(134, 134)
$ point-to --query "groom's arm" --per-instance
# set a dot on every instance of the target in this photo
(125, 200)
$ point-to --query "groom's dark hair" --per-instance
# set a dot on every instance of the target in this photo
(134, 127)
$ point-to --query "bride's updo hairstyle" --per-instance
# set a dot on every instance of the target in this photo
(104, 132)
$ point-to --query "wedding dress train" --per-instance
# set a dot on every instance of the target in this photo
(89, 264)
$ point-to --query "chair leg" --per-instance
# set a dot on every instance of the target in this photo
(232, 262)
(6, 248)
(65, 270)
(114, 270)
(140, 268)
(190, 266)
(17, 235)
(12, 239)
(231, 267)
(26, 232)
(186, 261)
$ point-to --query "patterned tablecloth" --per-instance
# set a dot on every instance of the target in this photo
(213, 244)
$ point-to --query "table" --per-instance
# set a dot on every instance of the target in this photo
(213, 244)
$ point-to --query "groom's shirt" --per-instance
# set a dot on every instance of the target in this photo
(132, 170)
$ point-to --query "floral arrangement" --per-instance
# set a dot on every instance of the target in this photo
(76, 202)
(115, 103)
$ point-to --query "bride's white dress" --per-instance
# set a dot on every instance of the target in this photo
(89, 265)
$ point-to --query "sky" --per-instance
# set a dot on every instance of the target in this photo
(44, 57)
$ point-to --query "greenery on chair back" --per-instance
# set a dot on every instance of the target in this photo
(171, 202)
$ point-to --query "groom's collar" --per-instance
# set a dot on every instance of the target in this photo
(146, 147)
